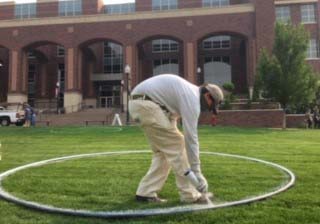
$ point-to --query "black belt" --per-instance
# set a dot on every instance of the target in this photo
(140, 97)
(146, 97)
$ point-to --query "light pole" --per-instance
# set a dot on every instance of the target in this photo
(127, 71)
(57, 95)
(58, 90)
(1, 65)
(121, 98)
(198, 75)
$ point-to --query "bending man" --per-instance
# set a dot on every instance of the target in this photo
(157, 103)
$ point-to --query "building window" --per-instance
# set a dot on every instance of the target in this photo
(70, 7)
(215, 3)
(283, 14)
(61, 76)
(31, 55)
(160, 5)
(308, 14)
(23, 11)
(61, 69)
(165, 66)
(31, 84)
(217, 42)
(60, 51)
(120, 8)
(164, 45)
(313, 49)
(224, 59)
(113, 58)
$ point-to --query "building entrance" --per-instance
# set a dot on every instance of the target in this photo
(106, 101)
(108, 96)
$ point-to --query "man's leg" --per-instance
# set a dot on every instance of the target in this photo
(155, 178)
(163, 136)
(170, 141)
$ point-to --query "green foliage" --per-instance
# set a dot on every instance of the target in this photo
(228, 87)
(229, 95)
(318, 93)
(285, 76)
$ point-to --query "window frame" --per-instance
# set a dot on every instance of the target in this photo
(215, 3)
(125, 8)
(113, 61)
(224, 59)
(217, 43)
(32, 72)
(283, 14)
(164, 5)
(31, 55)
(25, 10)
(308, 18)
(60, 49)
(313, 49)
(161, 61)
(70, 7)
(164, 45)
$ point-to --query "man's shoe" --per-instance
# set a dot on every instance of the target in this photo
(150, 199)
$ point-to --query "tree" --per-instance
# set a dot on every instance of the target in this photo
(228, 95)
(285, 76)
(317, 101)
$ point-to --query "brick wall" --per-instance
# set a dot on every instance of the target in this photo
(143, 5)
(265, 19)
(246, 118)
(296, 120)
(311, 28)
(4, 69)
(92, 7)
(6, 11)
(48, 9)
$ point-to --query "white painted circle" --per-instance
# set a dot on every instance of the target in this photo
(138, 213)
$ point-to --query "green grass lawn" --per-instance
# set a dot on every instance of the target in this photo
(109, 182)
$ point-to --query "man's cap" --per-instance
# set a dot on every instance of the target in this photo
(216, 93)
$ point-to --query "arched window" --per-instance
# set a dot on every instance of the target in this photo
(113, 58)
(164, 45)
(216, 42)
(165, 66)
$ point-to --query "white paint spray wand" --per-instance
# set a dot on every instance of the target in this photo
(201, 187)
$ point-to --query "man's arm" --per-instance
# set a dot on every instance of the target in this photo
(190, 115)
(190, 129)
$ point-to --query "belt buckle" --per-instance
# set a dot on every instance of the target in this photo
(138, 97)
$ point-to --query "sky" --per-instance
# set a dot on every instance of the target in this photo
(105, 1)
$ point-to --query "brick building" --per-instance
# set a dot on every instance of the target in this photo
(85, 46)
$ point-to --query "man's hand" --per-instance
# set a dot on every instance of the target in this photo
(203, 187)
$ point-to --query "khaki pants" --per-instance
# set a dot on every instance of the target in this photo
(168, 148)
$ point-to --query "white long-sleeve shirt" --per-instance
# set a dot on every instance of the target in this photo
(181, 98)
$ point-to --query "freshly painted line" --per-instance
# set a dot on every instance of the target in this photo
(138, 213)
